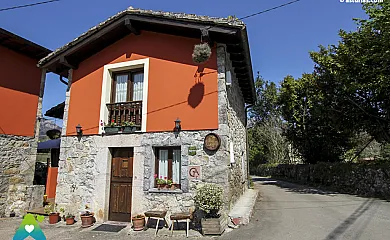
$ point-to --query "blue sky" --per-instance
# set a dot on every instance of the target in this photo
(279, 40)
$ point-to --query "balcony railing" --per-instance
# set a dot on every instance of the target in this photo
(125, 112)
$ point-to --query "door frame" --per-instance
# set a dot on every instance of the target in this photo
(112, 154)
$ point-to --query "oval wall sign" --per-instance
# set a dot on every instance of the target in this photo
(212, 142)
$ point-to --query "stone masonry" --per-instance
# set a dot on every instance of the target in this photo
(84, 171)
(85, 163)
(17, 165)
(232, 109)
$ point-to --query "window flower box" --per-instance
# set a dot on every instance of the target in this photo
(129, 129)
(110, 130)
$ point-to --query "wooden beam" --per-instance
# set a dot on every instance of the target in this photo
(131, 27)
(234, 48)
(65, 62)
(205, 34)
(4, 39)
(184, 24)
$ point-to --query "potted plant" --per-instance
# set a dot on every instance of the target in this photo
(62, 210)
(51, 210)
(69, 218)
(111, 127)
(201, 53)
(87, 218)
(128, 127)
(209, 199)
(161, 183)
(169, 183)
(138, 222)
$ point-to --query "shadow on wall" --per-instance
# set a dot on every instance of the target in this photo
(196, 94)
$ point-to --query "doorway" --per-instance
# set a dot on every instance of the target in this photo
(121, 184)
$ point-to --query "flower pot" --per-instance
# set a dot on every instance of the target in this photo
(161, 186)
(213, 226)
(109, 130)
(138, 223)
(69, 221)
(87, 221)
(54, 218)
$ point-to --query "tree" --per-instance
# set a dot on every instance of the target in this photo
(346, 95)
(356, 73)
(311, 124)
(266, 142)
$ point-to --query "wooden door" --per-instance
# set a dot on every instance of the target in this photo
(121, 184)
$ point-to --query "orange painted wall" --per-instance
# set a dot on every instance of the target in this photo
(51, 182)
(19, 89)
(172, 84)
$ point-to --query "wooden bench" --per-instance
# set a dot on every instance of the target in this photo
(158, 215)
(181, 216)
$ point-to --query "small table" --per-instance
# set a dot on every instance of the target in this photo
(159, 215)
(181, 216)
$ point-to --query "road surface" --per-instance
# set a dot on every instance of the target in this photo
(287, 211)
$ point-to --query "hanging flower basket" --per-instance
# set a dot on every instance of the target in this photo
(202, 53)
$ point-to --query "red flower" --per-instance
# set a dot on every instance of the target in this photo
(155, 175)
(165, 178)
(112, 120)
(161, 177)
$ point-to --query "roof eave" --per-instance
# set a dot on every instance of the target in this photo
(26, 43)
(245, 40)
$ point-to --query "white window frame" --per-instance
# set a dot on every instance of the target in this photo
(108, 71)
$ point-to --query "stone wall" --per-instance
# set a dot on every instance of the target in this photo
(234, 109)
(17, 165)
(372, 180)
(85, 166)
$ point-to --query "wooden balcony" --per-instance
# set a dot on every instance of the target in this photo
(125, 112)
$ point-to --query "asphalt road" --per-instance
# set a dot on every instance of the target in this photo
(287, 211)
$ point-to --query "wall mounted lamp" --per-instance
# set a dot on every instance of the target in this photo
(79, 130)
(177, 128)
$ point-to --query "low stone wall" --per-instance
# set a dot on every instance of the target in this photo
(371, 180)
(17, 165)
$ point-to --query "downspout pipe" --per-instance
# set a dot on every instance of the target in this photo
(247, 142)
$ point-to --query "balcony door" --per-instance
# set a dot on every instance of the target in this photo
(127, 86)
(126, 98)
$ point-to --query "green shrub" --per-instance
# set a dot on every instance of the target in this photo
(209, 198)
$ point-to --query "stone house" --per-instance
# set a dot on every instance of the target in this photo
(137, 67)
(21, 91)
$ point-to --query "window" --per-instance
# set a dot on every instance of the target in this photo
(127, 86)
(168, 163)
